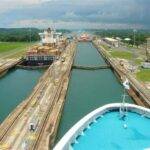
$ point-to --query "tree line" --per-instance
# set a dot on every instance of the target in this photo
(31, 34)
(19, 35)
(22, 34)
(138, 37)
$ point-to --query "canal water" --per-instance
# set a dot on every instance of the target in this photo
(88, 90)
(15, 86)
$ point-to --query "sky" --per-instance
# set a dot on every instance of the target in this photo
(75, 14)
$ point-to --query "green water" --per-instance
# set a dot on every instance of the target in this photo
(88, 55)
(15, 86)
(88, 90)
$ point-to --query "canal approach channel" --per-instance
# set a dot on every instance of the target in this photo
(88, 89)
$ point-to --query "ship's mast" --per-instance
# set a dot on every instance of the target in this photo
(123, 108)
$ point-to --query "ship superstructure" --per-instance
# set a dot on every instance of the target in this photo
(85, 38)
(104, 129)
(51, 45)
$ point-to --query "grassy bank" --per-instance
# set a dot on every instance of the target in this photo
(144, 75)
(9, 46)
(121, 54)
(13, 49)
(106, 47)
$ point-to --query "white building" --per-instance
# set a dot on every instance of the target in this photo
(112, 42)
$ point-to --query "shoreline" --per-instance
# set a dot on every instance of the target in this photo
(17, 115)
(137, 92)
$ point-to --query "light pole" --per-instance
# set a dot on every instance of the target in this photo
(133, 53)
(30, 30)
(134, 31)
(147, 49)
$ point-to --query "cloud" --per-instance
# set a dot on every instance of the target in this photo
(96, 13)
(7, 5)
(72, 24)
(71, 16)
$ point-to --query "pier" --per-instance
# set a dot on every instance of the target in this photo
(6, 64)
(45, 101)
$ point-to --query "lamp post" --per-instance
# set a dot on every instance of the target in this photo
(30, 31)
(147, 50)
(30, 37)
(133, 53)
(134, 36)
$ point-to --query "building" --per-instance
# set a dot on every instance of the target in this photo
(112, 42)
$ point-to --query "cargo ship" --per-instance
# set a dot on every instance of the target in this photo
(85, 38)
(49, 49)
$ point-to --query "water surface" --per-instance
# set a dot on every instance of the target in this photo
(15, 86)
(88, 90)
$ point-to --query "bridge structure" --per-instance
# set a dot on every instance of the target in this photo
(42, 108)
(90, 67)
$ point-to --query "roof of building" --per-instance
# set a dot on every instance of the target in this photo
(111, 39)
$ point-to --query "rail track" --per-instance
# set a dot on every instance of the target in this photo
(16, 118)
(56, 97)
(21, 115)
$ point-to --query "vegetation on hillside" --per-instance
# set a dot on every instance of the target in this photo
(21, 34)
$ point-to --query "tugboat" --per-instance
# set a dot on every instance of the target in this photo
(51, 46)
